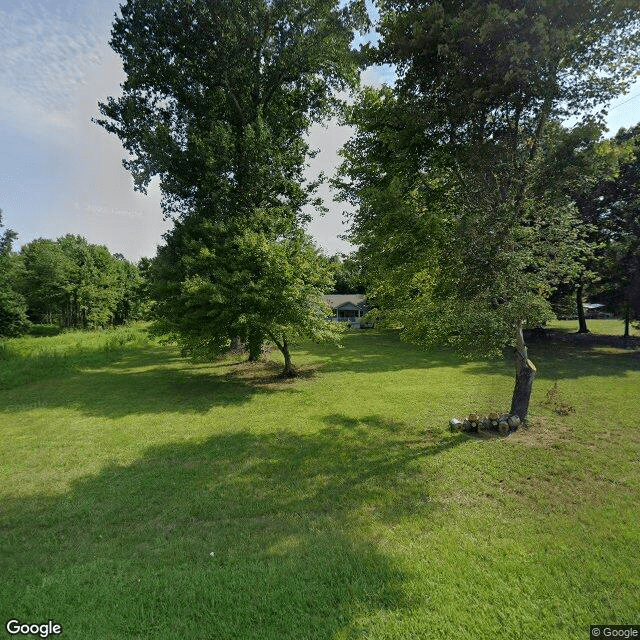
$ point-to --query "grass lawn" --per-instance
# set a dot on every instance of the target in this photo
(611, 327)
(145, 496)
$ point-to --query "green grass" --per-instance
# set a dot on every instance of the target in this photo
(144, 496)
(611, 327)
(27, 359)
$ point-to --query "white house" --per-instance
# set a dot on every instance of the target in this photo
(348, 307)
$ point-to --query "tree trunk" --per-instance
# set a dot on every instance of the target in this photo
(582, 322)
(525, 373)
(288, 371)
(254, 343)
(627, 317)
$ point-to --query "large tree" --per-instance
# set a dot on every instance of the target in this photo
(217, 102)
(583, 166)
(458, 145)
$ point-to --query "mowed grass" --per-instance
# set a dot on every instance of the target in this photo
(145, 496)
(611, 327)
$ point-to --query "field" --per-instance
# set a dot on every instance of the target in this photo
(146, 496)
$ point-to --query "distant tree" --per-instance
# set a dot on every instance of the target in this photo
(582, 165)
(217, 103)
(46, 282)
(347, 274)
(77, 284)
(129, 305)
(615, 205)
(13, 308)
(479, 86)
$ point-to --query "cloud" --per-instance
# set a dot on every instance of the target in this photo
(46, 54)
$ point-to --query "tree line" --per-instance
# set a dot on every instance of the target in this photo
(67, 282)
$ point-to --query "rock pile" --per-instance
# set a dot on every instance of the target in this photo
(500, 422)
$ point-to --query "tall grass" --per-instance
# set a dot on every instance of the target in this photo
(30, 358)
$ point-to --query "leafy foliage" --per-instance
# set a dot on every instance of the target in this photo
(77, 284)
(348, 274)
(448, 168)
(13, 316)
(217, 103)
(616, 207)
(465, 183)
(211, 286)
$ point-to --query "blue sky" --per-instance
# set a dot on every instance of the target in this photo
(59, 173)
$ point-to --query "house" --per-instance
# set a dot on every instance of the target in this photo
(595, 310)
(348, 307)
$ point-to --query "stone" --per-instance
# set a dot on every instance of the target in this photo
(503, 428)
(514, 422)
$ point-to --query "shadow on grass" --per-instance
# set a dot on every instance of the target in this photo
(372, 352)
(156, 380)
(559, 360)
(242, 536)
(555, 358)
(148, 381)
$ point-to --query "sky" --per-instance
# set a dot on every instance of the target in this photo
(60, 173)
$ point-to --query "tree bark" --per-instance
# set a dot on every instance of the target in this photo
(627, 317)
(288, 371)
(582, 322)
(525, 374)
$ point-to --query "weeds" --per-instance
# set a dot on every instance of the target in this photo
(555, 400)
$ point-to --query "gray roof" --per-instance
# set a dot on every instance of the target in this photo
(338, 299)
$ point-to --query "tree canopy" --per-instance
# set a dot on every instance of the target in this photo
(448, 168)
(216, 104)
(73, 283)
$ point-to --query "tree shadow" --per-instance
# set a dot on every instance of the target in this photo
(243, 535)
(561, 360)
(156, 380)
(146, 381)
(379, 351)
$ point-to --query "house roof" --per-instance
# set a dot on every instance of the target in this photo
(337, 300)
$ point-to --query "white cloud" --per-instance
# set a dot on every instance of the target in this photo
(46, 55)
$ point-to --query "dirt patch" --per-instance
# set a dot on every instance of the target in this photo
(540, 432)
(267, 373)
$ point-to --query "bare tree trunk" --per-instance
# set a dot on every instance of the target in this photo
(582, 322)
(525, 374)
